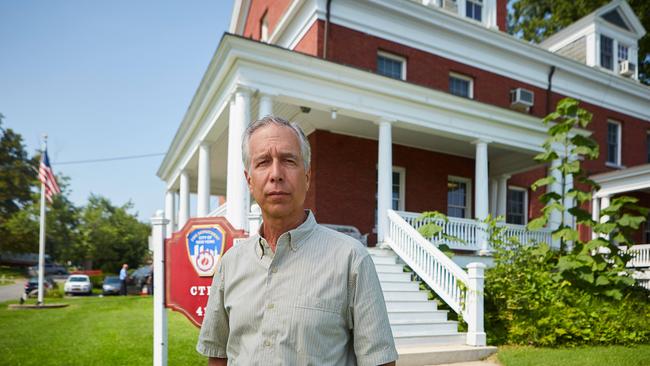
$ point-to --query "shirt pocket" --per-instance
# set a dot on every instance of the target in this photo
(318, 328)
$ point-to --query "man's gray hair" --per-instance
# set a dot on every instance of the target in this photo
(305, 149)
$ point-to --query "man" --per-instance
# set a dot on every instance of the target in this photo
(123, 277)
(296, 293)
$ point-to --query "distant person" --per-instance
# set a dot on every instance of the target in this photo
(123, 277)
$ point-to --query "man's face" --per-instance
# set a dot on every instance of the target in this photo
(276, 176)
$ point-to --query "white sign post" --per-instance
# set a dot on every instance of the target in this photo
(158, 223)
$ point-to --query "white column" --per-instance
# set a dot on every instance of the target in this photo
(475, 332)
(502, 195)
(384, 178)
(595, 213)
(568, 202)
(490, 13)
(556, 217)
(481, 192)
(170, 213)
(265, 106)
(158, 223)
(203, 188)
(494, 194)
(184, 200)
(236, 189)
(604, 203)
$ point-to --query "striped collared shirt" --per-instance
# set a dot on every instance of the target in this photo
(315, 301)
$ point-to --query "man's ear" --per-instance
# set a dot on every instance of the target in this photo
(248, 180)
(308, 175)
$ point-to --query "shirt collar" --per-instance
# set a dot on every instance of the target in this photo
(296, 237)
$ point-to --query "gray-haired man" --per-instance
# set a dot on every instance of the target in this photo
(296, 293)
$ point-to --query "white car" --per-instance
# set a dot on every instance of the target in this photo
(78, 284)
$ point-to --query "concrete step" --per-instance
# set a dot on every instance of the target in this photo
(389, 268)
(417, 316)
(384, 259)
(438, 355)
(405, 296)
(447, 339)
(411, 306)
(423, 329)
(377, 252)
(394, 277)
(399, 286)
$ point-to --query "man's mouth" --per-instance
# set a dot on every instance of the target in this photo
(276, 194)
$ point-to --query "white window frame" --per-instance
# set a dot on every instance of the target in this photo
(466, 78)
(264, 27)
(481, 2)
(395, 57)
(468, 184)
(619, 143)
(401, 206)
(521, 189)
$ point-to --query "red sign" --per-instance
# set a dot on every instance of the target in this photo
(191, 257)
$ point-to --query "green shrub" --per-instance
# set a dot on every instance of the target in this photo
(97, 281)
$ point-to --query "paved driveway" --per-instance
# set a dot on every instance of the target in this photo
(12, 292)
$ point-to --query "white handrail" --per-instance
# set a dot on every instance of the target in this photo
(219, 211)
(640, 256)
(444, 276)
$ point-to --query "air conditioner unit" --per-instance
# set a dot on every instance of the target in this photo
(626, 68)
(521, 98)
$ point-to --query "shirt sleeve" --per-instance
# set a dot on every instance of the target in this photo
(373, 339)
(213, 337)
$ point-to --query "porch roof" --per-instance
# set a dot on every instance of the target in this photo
(624, 180)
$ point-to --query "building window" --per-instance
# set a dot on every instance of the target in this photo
(516, 206)
(264, 27)
(614, 143)
(473, 9)
(458, 203)
(391, 65)
(606, 52)
(397, 191)
(622, 52)
(461, 85)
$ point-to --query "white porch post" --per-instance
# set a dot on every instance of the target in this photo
(595, 213)
(494, 194)
(569, 202)
(384, 178)
(158, 223)
(475, 331)
(236, 189)
(203, 188)
(556, 217)
(481, 193)
(265, 106)
(170, 213)
(502, 194)
(184, 200)
(604, 203)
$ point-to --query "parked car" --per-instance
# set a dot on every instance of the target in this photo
(349, 231)
(31, 287)
(78, 284)
(50, 269)
(111, 285)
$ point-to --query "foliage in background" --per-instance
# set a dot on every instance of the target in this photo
(535, 20)
(100, 232)
(582, 293)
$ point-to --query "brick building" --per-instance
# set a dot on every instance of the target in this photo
(412, 106)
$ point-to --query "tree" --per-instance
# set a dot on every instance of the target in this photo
(110, 235)
(534, 20)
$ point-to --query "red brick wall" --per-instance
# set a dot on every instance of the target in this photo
(312, 42)
(275, 9)
(344, 187)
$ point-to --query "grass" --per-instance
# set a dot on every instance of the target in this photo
(119, 331)
(93, 331)
(584, 356)
(9, 274)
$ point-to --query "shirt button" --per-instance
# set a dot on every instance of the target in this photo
(270, 306)
(274, 269)
(267, 344)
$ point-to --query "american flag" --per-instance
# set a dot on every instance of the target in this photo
(46, 176)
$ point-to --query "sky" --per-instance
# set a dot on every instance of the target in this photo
(105, 79)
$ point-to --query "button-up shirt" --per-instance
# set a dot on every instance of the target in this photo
(316, 300)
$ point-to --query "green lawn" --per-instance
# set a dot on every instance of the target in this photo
(9, 274)
(119, 331)
(587, 356)
(92, 331)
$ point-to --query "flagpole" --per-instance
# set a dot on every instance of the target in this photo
(41, 244)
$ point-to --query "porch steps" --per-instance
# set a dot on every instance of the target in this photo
(423, 335)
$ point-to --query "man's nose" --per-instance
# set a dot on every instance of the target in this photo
(277, 173)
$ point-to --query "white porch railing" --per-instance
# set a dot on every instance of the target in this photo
(466, 231)
(640, 256)
(219, 211)
(462, 291)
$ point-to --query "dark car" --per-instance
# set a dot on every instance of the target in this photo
(31, 287)
(111, 285)
(50, 269)
(138, 279)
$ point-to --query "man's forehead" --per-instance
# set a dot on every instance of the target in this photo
(274, 137)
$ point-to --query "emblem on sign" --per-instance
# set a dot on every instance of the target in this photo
(205, 244)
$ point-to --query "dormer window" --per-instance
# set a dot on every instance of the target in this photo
(622, 52)
(607, 52)
(473, 9)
